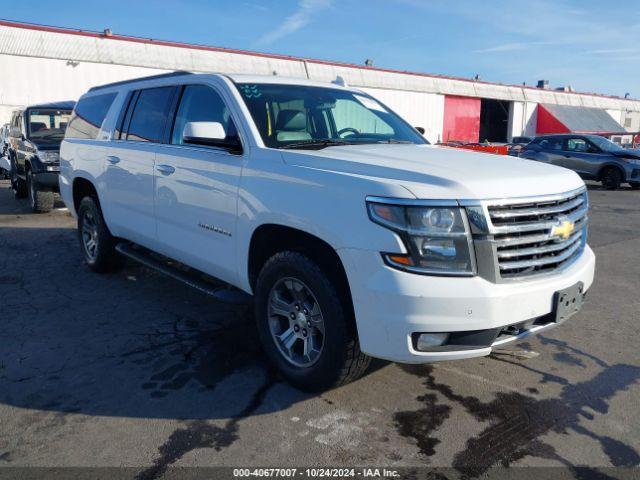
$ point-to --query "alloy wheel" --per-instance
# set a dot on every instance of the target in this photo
(90, 236)
(296, 322)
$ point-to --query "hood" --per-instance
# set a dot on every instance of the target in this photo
(52, 146)
(441, 172)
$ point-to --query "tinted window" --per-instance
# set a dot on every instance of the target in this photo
(577, 145)
(150, 115)
(89, 115)
(200, 103)
(551, 143)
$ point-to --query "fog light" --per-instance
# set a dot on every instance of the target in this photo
(430, 340)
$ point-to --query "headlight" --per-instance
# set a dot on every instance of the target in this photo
(437, 238)
(48, 157)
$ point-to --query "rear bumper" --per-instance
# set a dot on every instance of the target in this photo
(391, 306)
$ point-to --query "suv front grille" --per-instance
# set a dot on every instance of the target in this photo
(534, 237)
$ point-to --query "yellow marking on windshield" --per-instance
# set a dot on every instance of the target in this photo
(268, 120)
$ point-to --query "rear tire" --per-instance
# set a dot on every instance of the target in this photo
(338, 359)
(41, 201)
(96, 242)
(635, 185)
(611, 178)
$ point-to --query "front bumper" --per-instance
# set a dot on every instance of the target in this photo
(391, 305)
(47, 180)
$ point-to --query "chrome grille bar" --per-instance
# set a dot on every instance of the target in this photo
(540, 261)
(523, 237)
(525, 252)
(536, 211)
(539, 225)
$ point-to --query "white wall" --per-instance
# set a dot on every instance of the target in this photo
(617, 115)
(424, 110)
(523, 117)
(22, 41)
(29, 80)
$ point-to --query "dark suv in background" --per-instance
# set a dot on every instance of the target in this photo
(591, 156)
(34, 151)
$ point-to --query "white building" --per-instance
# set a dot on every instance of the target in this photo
(44, 64)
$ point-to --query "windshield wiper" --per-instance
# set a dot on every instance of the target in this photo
(317, 143)
(393, 140)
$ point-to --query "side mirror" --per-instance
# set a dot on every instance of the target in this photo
(211, 134)
(421, 130)
(16, 133)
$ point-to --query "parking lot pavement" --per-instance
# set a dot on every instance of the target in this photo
(134, 369)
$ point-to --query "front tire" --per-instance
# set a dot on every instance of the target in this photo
(611, 178)
(41, 201)
(304, 328)
(96, 242)
(635, 185)
(18, 186)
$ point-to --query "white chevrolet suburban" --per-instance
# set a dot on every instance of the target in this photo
(355, 237)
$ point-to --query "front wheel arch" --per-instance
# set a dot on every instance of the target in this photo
(604, 168)
(269, 239)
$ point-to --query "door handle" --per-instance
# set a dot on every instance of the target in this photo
(113, 160)
(165, 169)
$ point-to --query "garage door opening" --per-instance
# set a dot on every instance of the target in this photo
(494, 120)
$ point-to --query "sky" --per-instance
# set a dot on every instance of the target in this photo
(592, 45)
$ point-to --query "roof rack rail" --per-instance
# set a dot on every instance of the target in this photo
(177, 73)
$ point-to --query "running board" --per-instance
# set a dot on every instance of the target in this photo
(223, 293)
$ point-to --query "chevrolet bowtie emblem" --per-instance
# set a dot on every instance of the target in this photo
(563, 229)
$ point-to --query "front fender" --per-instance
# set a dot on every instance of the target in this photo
(327, 205)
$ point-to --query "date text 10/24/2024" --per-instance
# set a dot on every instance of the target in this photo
(316, 472)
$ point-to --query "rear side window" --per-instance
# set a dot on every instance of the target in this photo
(150, 115)
(577, 145)
(89, 115)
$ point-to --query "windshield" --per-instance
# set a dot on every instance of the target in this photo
(605, 144)
(47, 126)
(298, 116)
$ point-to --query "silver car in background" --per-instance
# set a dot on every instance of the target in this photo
(5, 163)
(591, 156)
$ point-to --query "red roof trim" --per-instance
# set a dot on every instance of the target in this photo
(166, 43)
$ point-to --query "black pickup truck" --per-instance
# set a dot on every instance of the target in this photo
(35, 133)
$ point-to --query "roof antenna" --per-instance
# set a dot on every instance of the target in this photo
(107, 32)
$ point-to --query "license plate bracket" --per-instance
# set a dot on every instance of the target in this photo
(568, 302)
